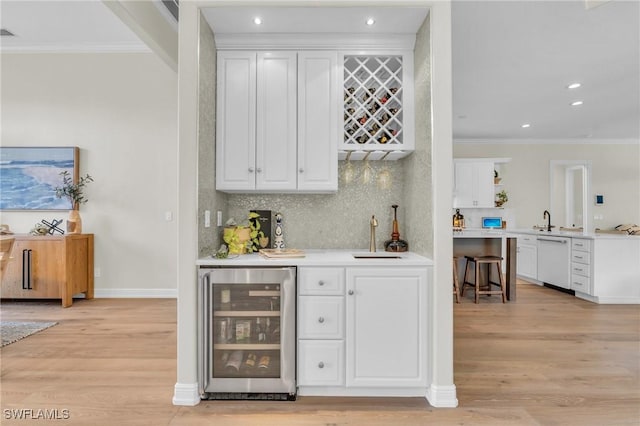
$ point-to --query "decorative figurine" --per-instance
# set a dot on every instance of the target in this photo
(279, 237)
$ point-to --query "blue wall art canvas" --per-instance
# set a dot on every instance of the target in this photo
(29, 175)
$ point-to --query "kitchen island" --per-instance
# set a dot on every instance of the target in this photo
(476, 242)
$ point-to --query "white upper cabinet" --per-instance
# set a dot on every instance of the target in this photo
(318, 128)
(235, 121)
(473, 184)
(276, 122)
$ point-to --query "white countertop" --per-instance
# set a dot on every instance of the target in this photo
(321, 258)
(504, 233)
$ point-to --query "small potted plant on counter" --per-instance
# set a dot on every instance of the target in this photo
(244, 237)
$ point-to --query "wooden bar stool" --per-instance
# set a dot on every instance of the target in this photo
(456, 281)
(478, 261)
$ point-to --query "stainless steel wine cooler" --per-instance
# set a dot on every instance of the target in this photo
(247, 333)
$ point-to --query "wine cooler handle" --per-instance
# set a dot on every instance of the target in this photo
(321, 364)
(250, 169)
(350, 292)
(321, 320)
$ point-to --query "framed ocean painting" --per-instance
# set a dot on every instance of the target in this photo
(29, 175)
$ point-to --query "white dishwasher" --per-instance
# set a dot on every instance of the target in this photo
(554, 260)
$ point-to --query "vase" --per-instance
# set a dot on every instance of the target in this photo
(74, 222)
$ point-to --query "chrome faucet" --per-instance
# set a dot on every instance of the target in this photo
(547, 215)
(372, 241)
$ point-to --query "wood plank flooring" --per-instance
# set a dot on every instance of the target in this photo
(548, 359)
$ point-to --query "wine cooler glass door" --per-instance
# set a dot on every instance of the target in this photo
(249, 330)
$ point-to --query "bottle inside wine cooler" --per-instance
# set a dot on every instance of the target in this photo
(232, 366)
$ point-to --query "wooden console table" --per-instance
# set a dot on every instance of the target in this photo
(49, 267)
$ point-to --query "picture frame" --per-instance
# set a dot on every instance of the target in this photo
(29, 175)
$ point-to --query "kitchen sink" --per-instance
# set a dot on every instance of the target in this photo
(376, 256)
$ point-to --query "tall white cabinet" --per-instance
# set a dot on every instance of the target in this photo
(277, 117)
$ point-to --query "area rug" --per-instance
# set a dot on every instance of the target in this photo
(12, 331)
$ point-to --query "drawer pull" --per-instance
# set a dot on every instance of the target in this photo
(320, 283)
(321, 320)
(321, 364)
(350, 292)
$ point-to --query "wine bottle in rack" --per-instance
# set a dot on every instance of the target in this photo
(349, 92)
(384, 98)
(249, 363)
(264, 363)
(384, 119)
(363, 119)
(233, 362)
(393, 111)
(374, 108)
(374, 129)
(363, 138)
(384, 138)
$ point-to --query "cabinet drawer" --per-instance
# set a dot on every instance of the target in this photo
(321, 317)
(580, 244)
(321, 363)
(579, 269)
(527, 240)
(321, 281)
(580, 256)
(580, 283)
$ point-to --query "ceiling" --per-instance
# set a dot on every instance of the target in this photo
(512, 60)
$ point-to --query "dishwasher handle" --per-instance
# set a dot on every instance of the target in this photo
(553, 241)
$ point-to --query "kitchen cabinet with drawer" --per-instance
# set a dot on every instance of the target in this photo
(362, 331)
(527, 258)
(321, 315)
(581, 265)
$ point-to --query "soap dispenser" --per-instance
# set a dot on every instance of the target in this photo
(458, 221)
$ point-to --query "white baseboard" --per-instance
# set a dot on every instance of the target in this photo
(186, 394)
(442, 396)
(136, 293)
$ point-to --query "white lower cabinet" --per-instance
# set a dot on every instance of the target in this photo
(527, 258)
(366, 337)
(581, 265)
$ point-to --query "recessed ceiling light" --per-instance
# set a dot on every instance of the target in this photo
(576, 103)
(574, 86)
(371, 21)
(526, 125)
(257, 20)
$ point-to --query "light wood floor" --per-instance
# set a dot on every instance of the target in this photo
(548, 359)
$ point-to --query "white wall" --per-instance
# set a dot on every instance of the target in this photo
(121, 110)
(615, 174)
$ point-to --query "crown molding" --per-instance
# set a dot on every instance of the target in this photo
(77, 48)
(315, 41)
(622, 141)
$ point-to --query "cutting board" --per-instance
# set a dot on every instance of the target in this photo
(281, 253)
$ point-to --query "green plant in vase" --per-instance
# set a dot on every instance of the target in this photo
(501, 198)
(245, 237)
(74, 192)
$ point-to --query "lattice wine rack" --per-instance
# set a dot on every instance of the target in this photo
(373, 93)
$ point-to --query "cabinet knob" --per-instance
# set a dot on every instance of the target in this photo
(320, 283)
(321, 364)
(259, 170)
(350, 292)
(321, 320)
(301, 170)
(250, 169)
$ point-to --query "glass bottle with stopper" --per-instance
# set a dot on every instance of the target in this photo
(458, 220)
(395, 243)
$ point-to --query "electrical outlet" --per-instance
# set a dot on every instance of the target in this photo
(96, 272)
(207, 218)
(219, 221)
(168, 216)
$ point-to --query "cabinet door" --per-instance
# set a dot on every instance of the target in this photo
(527, 261)
(473, 184)
(276, 153)
(235, 121)
(318, 129)
(386, 327)
(39, 277)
